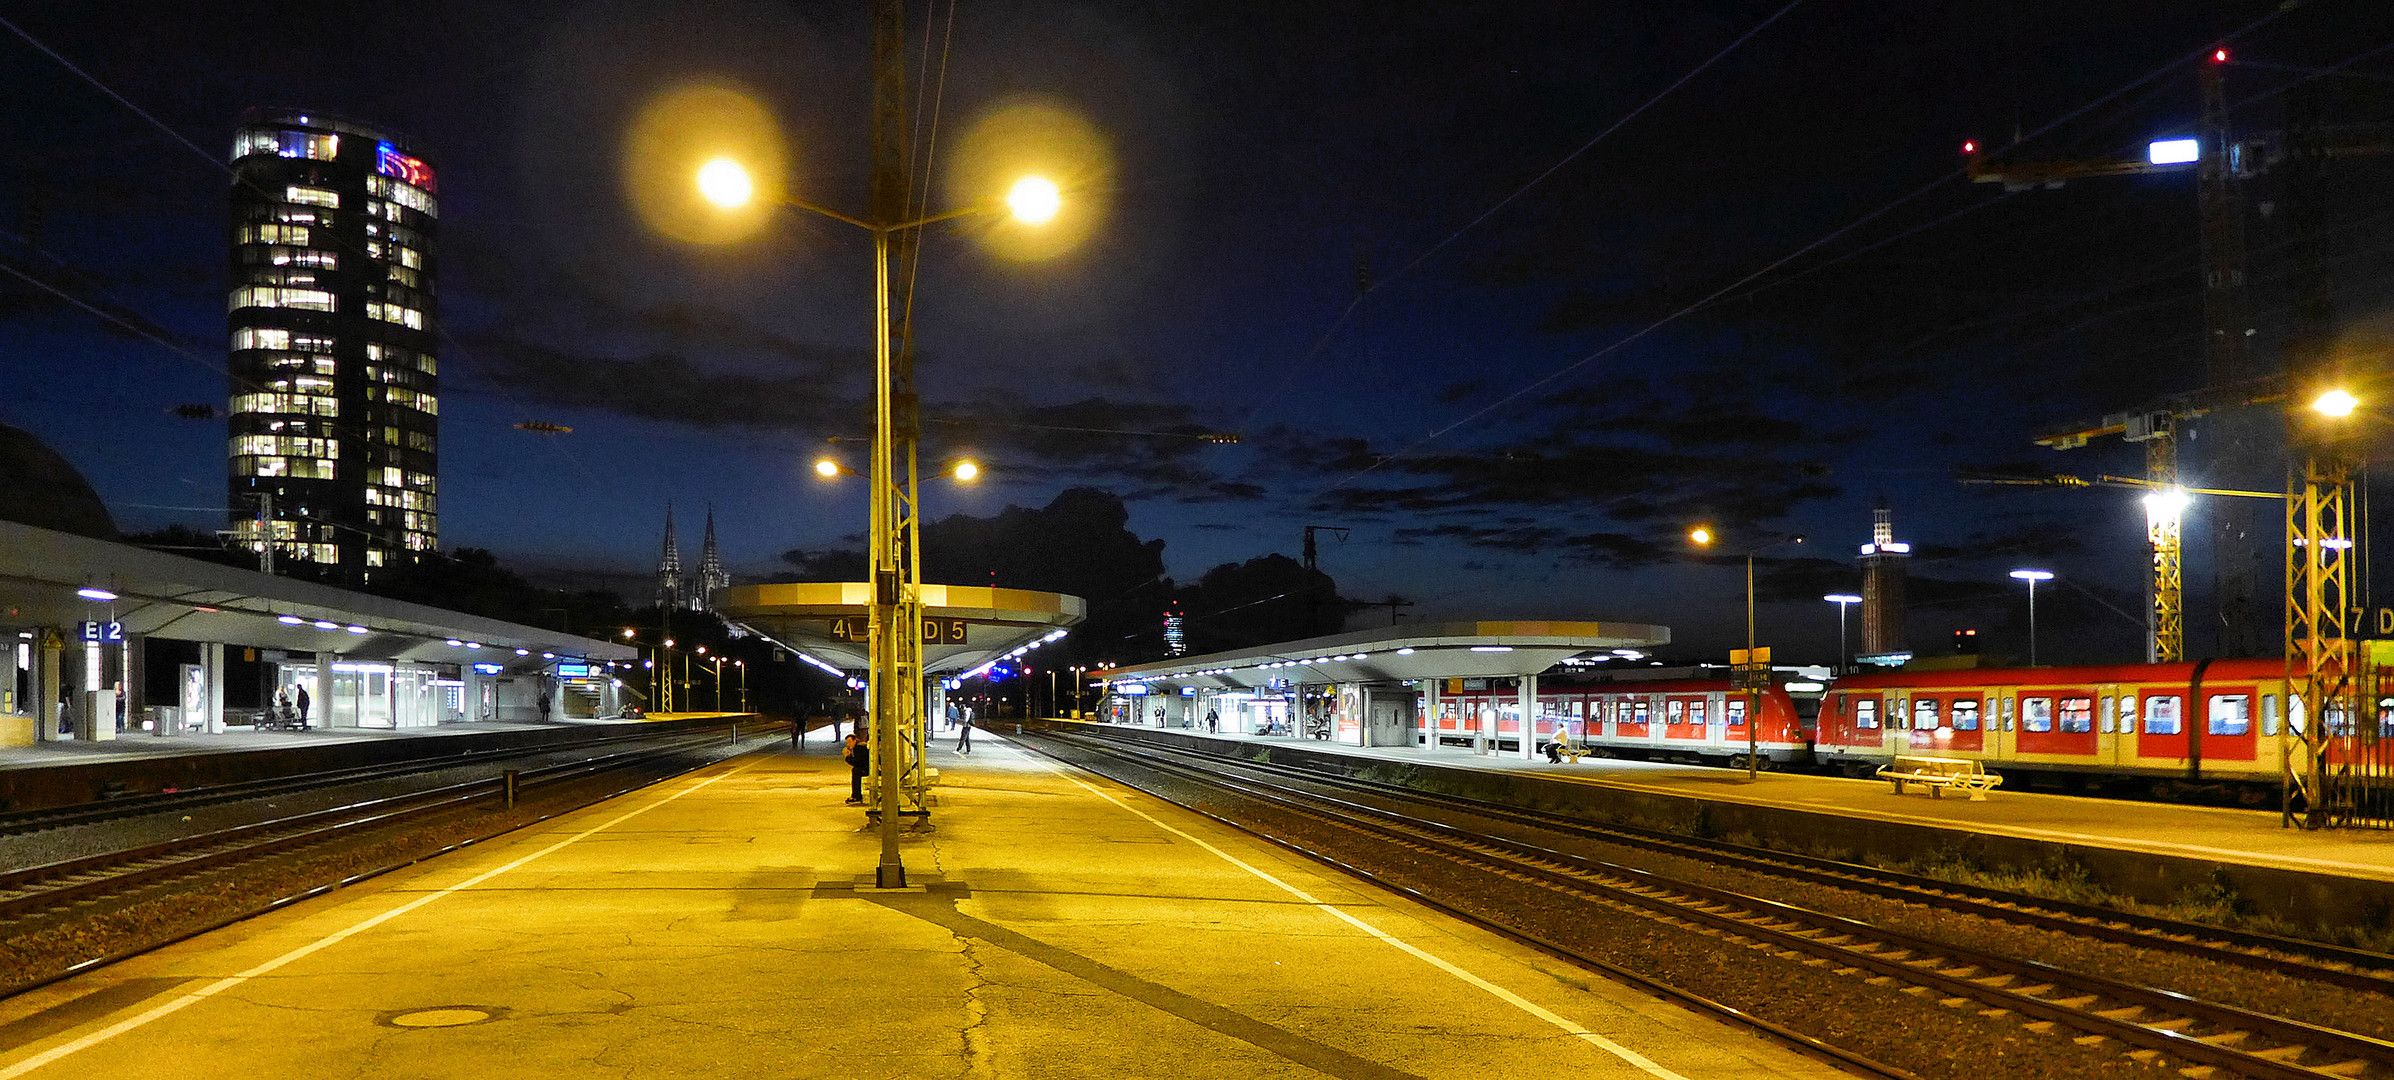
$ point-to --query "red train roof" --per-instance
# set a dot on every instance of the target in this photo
(2238, 670)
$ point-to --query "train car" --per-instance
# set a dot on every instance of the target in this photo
(1665, 719)
(2209, 722)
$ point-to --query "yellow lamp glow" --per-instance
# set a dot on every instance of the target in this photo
(827, 468)
(1700, 535)
(703, 162)
(2335, 403)
(966, 471)
(1035, 200)
(725, 183)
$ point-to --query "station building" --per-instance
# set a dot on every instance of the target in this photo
(105, 640)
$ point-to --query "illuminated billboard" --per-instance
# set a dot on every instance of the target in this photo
(390, 162)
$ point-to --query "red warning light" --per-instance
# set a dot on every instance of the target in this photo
(1970, 146)
(2219, 56)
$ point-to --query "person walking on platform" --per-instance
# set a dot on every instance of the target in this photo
(953, 714)
(964, 735)
(1213, 722)
(300, 699)
(860, 759)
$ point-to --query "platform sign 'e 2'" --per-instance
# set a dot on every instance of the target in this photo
(105, 632)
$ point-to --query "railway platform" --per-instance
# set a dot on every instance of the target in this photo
(2155, 852)
(724, 923)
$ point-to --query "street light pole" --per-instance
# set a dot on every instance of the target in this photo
(1843, 601)
(2032, 577)
(1756, 673)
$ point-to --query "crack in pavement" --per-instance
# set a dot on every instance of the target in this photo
(938, 907)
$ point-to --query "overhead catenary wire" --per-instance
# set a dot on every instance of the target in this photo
(1831, 237)
(1363, 294)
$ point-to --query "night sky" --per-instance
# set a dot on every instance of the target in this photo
(1421, 258)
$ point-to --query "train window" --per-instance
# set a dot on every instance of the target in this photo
(2161, 715)
(2229, 714)
(2007, 714)
(2108, 723)
(1866, 713)
(1924, 714)
(2036, 713)
(1641, 713)
(1965, 714)
(2269, 714)
(1736, 711)
(2078, 714)
(1695, 712)
(2294, 713)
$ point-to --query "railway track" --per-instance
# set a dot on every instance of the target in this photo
(27, 822)
(33, 892)
(2202, 1039)
(2313, 961)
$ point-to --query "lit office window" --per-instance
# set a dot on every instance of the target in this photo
(261, 338)
(263, 296)
(274, 234)
(396, 313)
(311, 196)
(405, 194)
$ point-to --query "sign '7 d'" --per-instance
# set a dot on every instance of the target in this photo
(859, 628)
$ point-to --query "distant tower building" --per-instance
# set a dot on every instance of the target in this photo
(1176, 635)
(711, 574)
(1883, 559)
(335, 406)
(669, 568)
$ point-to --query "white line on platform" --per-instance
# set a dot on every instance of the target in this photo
(1569, 1027)
(322, 943)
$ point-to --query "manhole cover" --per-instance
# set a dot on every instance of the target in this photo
(439, 1017)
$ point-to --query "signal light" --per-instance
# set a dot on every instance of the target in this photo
(1970, 146)
(2219, 56)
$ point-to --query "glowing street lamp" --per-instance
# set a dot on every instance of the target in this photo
(1843, 601)
(2336, 403)
(2032, 577)
(965, 471)
(1703, 536)
(724, 183)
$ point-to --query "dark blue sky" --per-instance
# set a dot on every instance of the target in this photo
(1268, 158)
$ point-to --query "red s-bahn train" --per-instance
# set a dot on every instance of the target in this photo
(2213, 723)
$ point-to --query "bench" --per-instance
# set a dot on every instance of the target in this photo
(1937, 774)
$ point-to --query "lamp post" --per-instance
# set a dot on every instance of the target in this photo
(893, 539)
(1843, 601)
(743, 666)
(1703, 536)
(2032, 577)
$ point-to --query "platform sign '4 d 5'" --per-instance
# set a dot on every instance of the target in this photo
(859, 628)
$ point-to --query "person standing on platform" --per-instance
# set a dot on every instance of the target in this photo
(860, 759)
(301, 700)
(964, 735)
(953, 715)
(1213, 722)
(544, 706)
(282, 706)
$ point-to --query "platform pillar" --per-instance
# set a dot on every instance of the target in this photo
(1529, 717)
(212, 681)
(49, 683)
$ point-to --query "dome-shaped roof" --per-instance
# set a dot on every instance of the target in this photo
(38, 487)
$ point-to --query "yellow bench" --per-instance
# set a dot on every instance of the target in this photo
(1937, 774)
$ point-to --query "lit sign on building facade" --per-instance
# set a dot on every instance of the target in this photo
(390, 162)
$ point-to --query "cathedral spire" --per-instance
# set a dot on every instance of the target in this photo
(669, 566)
(711, 574)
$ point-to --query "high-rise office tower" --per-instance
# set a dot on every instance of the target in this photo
(335, 410)
(1883, 558)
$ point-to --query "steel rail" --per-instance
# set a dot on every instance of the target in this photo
(23, 822)
(2337, 965)
(2017, 985)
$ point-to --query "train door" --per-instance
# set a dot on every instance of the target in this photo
(2228, 737)
(2003, 724)
(1716, 715)
(1928, 732)
(1637, 725)
(2108, 739)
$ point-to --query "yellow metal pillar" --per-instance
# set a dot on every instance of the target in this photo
(2319, 647)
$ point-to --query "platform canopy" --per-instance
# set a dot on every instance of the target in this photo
(821, 621)
(43, 573)
(1452, 650)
